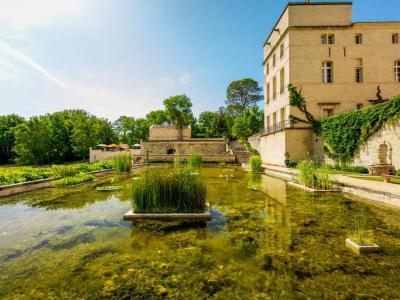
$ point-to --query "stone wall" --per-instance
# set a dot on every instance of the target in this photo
(212, 158)
(193, 146)
(100, 155)
(272, 147)
(381, 147)
(168, 133)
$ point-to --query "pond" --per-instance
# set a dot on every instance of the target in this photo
(266, 240)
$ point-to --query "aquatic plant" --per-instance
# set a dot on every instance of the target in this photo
(73, 180)
(314, 176)
(169, 190)
(65, 170)
(195, 161)
(24, 174)
(122, 163)
(177, 160)
(255, 163)
(361, 235)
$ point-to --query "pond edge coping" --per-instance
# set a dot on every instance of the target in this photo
(204, 216)
(360, 249)
(308, 189)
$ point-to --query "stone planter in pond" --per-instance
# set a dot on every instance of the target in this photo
(305, 188)
(204, 216)
(359, 249)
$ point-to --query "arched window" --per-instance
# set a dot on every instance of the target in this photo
(397, 70)
(170, 151)
(327, 72)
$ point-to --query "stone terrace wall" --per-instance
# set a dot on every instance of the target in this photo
(99, 155)
(193, 146)
(381, 146)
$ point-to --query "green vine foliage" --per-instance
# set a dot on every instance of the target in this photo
(296, 99)
(344, 134)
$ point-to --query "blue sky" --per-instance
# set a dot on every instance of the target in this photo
(123, 57)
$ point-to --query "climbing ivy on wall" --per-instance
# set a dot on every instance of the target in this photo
(344, 134)
(296, 99)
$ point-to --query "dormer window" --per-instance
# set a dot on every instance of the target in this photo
(274, 60)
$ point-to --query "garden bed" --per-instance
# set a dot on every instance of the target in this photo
(204, 216)
(308, 189)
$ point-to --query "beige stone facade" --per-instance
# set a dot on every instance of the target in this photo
(383, 147)
(336, 63)
(168, 133)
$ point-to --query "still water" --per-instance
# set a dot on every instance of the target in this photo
(266, 241)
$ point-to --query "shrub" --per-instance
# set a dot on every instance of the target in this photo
(347, 168)
(312, 176)
(195, 161)
(73, 180)
(122, 163)
(398, 172)
(169, 190)
(255, 163)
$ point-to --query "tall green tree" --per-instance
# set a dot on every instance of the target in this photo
(157, 117)
(242, 94)
(179, 111)
(205, 124)
(8, 123)
(248, 123)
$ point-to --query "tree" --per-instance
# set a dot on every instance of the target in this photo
(248, 123)
(8, 124)
(32, 141)
(179, 111)
(157, 117)
(205, 124)
(242, 94)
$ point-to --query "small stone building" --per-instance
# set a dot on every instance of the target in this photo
(164, 145)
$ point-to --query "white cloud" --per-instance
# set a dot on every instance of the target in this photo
(186, 78)
(167, 82)
(24, 13)
(10, 51)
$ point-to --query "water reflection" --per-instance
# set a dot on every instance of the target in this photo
(265, 240)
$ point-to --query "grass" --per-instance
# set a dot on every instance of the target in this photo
(122, 163)
(254, 163)
(18, 174)
(195, 161)
(313, 176)
(169, 190)
(73, 180)
(361, 235)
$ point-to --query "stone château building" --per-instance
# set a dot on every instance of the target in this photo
(337, 63)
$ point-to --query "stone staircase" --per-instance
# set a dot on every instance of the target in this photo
(242, 155)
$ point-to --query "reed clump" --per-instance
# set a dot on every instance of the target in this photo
(255, 163)
(314, 176)
(122, 163)
(195, 161)
(169, 190)
(361, 235)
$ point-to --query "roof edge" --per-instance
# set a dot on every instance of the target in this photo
(303, 4)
